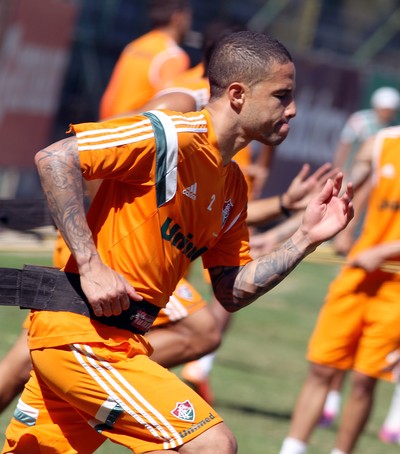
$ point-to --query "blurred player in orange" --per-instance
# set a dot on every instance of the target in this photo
(357, 328)
(362, 124)
(148, 63)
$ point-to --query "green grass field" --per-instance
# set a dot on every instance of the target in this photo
(260, 366)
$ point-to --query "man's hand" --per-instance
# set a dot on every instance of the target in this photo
(328, 213)
(304, 186)
(107, 291)
(375, 257)
(369, 260)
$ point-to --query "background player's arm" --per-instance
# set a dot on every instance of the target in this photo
(360, 176)
(341, 154)
(60, 173)
(176, 100)
(362, 165)
(372, 258)
(302, 188)
(326, 214)
(264, 242)
(258, 171)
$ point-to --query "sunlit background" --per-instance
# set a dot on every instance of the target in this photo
(56, 57)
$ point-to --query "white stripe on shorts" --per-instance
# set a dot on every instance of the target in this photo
(127, 396)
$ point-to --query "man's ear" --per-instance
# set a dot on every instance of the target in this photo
(236, 93)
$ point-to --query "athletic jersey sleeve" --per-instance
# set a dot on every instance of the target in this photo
(122, 149)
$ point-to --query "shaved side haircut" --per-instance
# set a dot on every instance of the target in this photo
(246, 57)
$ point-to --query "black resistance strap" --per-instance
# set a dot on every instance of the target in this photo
(49, 289)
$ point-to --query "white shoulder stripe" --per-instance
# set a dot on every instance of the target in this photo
(194, 118)
(98, 139)
(129, 127)
(189, 123)
(116, 143)
(120, 135)
(178, 130)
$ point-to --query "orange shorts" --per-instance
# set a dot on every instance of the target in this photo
(184, 301)
(79, 395)
(358, 326)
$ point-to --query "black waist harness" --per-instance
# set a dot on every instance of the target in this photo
(49, 289)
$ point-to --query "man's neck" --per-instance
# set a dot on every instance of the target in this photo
(228, 133)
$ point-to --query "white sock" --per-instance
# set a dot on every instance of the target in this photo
(332, 402)
(337, 451)
(293, 446)
(392, 421)
(206, 363)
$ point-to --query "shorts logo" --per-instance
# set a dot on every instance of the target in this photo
(184, 411)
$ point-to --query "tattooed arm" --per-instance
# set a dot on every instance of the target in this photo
(326, 215)
(58, 165)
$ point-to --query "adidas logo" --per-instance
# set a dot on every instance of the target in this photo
(191, 191)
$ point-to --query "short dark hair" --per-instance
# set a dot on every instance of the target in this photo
(243, 56)
(213, 32)
(161, 11)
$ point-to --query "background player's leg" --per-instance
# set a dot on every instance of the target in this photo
(185, 340)
(15, 368)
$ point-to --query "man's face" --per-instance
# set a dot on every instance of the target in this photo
(269, 105)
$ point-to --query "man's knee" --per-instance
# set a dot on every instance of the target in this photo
(222, 437)
(321, 372)
(362, 384)
(216, 439)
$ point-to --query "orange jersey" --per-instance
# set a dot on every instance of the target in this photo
(382, 223)
(145, 66)
(157, 209)
(358, 324)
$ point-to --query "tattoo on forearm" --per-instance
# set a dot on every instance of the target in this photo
(62, 183)
(256, 278)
